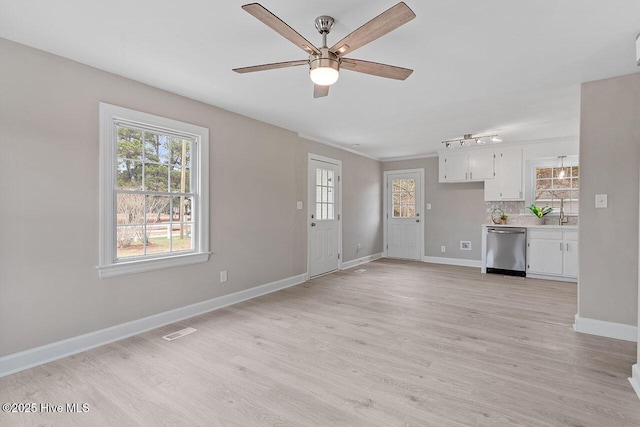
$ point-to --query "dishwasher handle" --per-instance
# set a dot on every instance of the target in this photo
(493, 230)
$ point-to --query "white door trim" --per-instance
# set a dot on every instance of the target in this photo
(311, 202)
(385, 208)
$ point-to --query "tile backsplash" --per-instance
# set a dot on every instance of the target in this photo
(513, 209)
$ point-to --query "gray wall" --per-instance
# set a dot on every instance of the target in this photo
(609, 149)
(457, 211)
(49, 286)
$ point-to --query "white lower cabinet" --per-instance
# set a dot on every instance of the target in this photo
(552, 253)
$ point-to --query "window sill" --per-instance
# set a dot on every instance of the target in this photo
(141, 266)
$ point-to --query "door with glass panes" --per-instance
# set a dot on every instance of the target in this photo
(324, 217)
(403, 215)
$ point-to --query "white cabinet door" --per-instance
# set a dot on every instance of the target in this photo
(570, 259)
(453, 167)
(507, 184)
(481, 165)
(511, 174)
(545, 256)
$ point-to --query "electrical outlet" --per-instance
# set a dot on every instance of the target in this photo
(443, 249)
(299, 205)
(223, 276)
(465, 245)
(428, 206)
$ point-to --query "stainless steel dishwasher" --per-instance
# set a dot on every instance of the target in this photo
(506, 250)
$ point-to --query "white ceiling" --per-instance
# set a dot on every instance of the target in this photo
(512, 67)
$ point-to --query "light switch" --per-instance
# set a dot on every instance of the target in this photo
(428, 206)
(601, 201)
(299, 204)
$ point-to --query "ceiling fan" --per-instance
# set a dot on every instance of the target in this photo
(325, 62)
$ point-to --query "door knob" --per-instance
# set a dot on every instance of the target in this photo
(313, 224)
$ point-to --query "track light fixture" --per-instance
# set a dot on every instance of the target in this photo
(470, 140)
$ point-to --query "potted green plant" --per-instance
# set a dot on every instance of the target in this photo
(540, 212)
(503, 218)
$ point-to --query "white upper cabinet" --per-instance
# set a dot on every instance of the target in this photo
(476, 165)
(507, 184)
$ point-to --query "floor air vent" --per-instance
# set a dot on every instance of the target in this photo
(181, 333)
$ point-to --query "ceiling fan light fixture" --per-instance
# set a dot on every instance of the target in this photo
(324, 70)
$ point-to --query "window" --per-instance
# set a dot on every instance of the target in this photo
(553, 183)
(325, 200)
(404, 198)
(154, 204)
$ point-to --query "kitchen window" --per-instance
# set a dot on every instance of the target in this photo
(154, 208)
(553, 183)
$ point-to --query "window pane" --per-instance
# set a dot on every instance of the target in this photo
(129, 208)
(330, 211)
(562, 183)
(560, 194)
(324, 177)
(403, 211)
(330, 194)
(158, 209)
(181, 238)
(324, 211)
(157, 147)
(396, 198)
(318, 176)
(179, 146)
(411, 211)
(330, 178)
(129, 241)
(411, 185)
(158, 240)
(129, 175)
(575, 170)
(396, 211)
(543, 184)
(156, 177)
(543, 173)
(129, 143)
(318, 210)
(179, 182)
(557, 172)
(325, 196)
(544, 195)
(176, 203)
(318, 194)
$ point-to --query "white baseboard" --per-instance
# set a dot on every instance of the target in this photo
(635, 379)
(359, 261)
(601, 328)
(453, 261)
(48, 353)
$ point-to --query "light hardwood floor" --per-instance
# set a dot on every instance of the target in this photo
(403, 343)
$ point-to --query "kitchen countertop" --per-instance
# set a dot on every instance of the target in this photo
(549, 227)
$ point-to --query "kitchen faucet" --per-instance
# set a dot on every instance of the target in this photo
(563, 218)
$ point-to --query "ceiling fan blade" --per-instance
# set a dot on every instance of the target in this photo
(280, 27)
(320, 91)
(273, 66)
(379, 26)
(375, 68)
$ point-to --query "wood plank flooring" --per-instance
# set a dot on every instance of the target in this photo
(403, 343)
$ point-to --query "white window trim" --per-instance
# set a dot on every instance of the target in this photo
(108, 266)
(550, 162)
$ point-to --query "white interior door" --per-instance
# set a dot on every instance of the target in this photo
(403, 216)
(324, 216)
